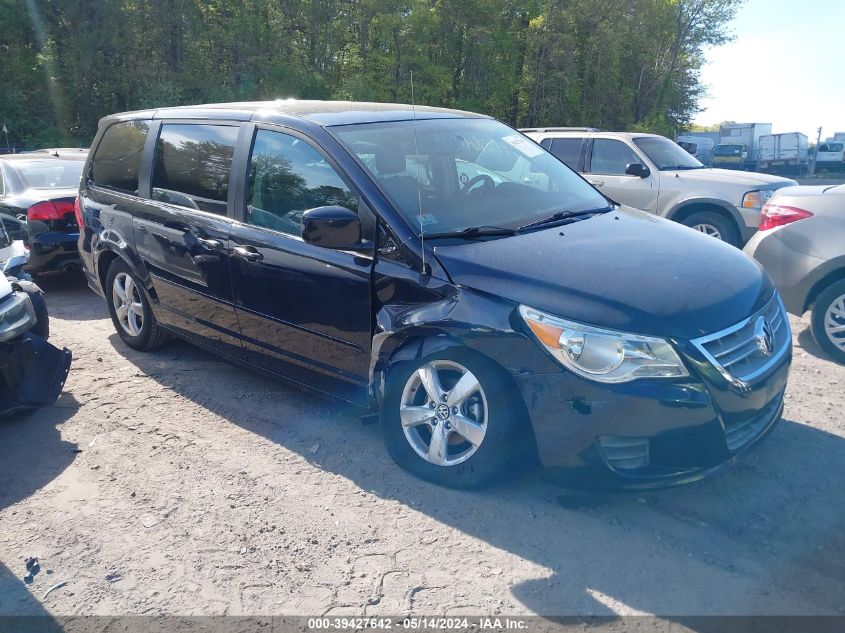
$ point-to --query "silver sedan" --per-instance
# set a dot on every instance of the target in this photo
(801, 244)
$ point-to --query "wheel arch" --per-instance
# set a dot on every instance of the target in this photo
(417, 343)
(831, 277)
(686, 208)
(406, 346)
(107, 252)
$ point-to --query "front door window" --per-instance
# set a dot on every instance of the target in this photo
(287, 176)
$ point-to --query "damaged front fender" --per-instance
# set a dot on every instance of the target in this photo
(457, 317)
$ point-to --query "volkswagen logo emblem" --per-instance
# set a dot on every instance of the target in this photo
(443, 411)
(764, 336)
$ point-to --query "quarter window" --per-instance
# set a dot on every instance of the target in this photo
(192, 166)
(610, 157)
(287, 176)
(118, 157)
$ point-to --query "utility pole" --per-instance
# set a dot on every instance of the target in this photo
(812, 170)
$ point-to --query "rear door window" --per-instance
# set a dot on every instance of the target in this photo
(568, 150)
(193, 164)
(118, 157)
(610, 157)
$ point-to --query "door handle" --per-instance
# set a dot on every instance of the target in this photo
(596, 183)
(248, 253)
(208, 243)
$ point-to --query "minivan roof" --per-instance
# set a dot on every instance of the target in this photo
(324, 113)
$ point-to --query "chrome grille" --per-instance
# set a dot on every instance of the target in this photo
(737, 352)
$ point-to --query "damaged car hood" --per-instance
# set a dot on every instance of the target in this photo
(626, 270)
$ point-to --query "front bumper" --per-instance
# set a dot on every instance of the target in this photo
(32, 373)
(750, 219)
(649, 433)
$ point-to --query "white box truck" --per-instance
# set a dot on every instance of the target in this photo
(783, 152)
(739, 145)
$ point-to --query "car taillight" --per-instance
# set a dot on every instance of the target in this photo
(77, 211)
(772, 215)
(49, 210)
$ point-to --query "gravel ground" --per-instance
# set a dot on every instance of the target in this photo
(175, 483)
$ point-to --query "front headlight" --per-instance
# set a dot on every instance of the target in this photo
(756, 199)
(16, 315)
(603, 355)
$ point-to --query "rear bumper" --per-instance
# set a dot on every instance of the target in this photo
(52, 251)
(792, 272)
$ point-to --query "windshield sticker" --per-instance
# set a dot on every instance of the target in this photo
(426, 218)
(523, 145)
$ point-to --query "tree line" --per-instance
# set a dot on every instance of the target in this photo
(614, 64)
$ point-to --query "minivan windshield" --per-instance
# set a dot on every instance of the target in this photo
(450, 175)
(50, 174)
(666, 154)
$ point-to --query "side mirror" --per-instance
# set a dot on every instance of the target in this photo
(332, 227)
(637, 169)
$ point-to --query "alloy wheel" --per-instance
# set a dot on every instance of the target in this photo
(708, 229)
(834, 322)
(444, 412)
(126, 299)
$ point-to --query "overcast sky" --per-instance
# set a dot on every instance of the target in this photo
(785, 67)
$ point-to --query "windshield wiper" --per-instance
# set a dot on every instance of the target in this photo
(473, 231)
(562, 215)
(682, 167)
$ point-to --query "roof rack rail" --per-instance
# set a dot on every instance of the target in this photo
(559, 129)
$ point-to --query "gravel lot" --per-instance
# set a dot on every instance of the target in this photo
(176, 483)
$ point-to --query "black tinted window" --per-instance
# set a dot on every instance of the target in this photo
(567, 150)
(192, 166)
(610, 157)
(118, 156)
(286, 177)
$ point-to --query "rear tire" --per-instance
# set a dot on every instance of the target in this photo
(130, 310)
(829, 315)
(490, 412)
(715, 225)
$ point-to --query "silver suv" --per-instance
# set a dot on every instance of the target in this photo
(652, 173)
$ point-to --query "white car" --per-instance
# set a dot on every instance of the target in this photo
(652, 173)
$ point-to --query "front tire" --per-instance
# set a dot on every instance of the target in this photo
(130, 310)
(828, 321)
(715, 225)
(455, 419)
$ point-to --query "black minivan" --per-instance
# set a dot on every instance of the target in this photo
(441, 270)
